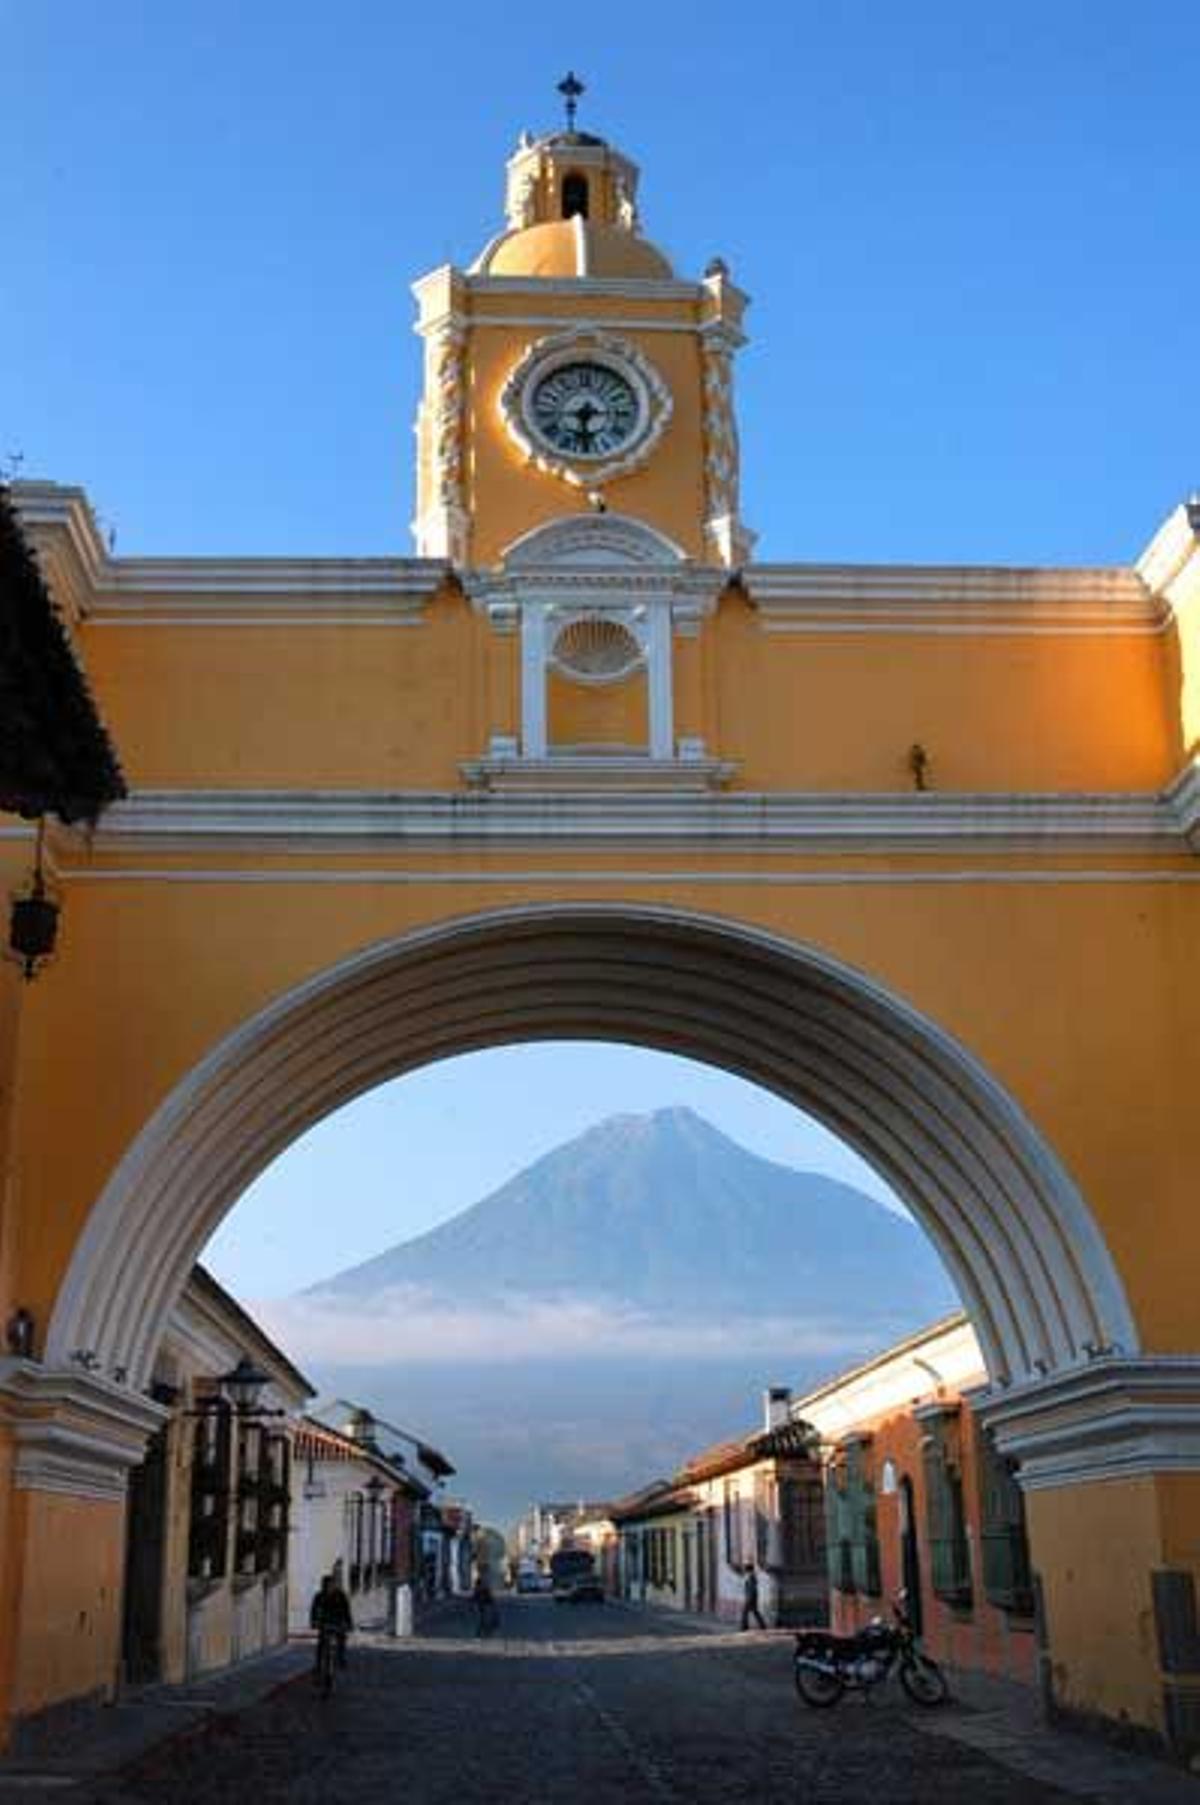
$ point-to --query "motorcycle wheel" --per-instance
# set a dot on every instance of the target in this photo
(924, 1681)
(817, 1685)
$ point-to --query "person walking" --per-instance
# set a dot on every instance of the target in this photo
(750, 1597)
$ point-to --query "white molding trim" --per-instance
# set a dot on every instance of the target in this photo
(74, 1431)
(1183, 799)
(691, 590)
(599, 322)
(593, 542)
(583, 288)
(1027, 1256)
(89, 585)
(580, 775)
(1170, 564)
(1116, 1417)
(601, 878)
(573, 799)
(843, 598)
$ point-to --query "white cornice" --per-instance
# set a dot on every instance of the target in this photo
(1183, 798)
(581, 775)
(73, 1431)
(844, 598)
(570, 801)
(88, 584)
(62, 529)
(1114, 1418)
(1170, 564)
(576, 288)
(691, 590)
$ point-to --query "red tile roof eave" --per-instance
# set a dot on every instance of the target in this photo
(315, 1441)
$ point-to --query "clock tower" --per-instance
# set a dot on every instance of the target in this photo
(570, 371)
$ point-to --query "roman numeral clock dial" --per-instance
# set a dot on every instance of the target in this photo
(585, 406)
(585, 410)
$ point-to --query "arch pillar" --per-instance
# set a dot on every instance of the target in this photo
(1109, 1461)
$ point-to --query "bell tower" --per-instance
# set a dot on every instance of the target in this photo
(577, 458)
(570, 369)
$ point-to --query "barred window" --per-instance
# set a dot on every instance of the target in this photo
(945, 1515)
(208, 1523)
(801, 1523)
(355, 1503)
(1004, 1541)
(736, 1553)
(852, 1537)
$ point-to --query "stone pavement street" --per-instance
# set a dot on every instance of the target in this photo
(602, 1704)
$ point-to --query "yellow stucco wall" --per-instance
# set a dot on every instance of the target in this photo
(1099, 1613)
(71, 1559)
(399, 708)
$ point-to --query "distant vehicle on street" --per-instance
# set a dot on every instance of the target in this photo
(532, 1579)
(574, 1577)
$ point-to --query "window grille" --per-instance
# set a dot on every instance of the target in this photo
(1004, 1541)
(208, 1523)
(801, 1524)
(945, 1516)
(354, 1538)
(735, 1536)
(852, 1537)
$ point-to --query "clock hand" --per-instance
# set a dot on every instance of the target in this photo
(584, 415)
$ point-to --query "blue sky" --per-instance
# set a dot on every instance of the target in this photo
(415, 1151)
(968, 232)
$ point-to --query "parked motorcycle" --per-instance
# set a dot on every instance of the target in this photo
(828, 1665)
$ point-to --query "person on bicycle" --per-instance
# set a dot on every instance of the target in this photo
(329, 1614)
(487, 1617)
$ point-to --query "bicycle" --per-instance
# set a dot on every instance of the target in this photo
(325, 1661)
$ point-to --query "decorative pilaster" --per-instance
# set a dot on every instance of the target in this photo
(726, 539)
(441, 526)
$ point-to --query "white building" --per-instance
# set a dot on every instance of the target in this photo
(355, 1515)
(366, 1506)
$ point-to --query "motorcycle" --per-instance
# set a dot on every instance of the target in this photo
(826, 1665)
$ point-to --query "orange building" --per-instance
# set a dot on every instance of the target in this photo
(920, 1500)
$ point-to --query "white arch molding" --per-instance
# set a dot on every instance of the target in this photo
(1028, 1259)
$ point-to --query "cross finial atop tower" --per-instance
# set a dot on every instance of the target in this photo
(570, 87)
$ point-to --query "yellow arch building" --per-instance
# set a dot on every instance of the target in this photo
(913, 847)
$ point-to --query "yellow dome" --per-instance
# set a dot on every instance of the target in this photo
(573, 247)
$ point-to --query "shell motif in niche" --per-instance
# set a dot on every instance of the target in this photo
(591, 649)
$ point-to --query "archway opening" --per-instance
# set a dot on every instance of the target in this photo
(1024, 1254)
(577, 1261)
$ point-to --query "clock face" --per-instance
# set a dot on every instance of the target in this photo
(584, 410)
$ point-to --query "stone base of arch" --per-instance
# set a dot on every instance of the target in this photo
(67, 1442)
(1110, 1465)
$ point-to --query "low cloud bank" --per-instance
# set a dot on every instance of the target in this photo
(419, 1327)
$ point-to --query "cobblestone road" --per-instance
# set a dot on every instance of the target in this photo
(585, 1704)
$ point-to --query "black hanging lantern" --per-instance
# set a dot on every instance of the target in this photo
(33, 925)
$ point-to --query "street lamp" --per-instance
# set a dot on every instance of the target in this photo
(244, 1387)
